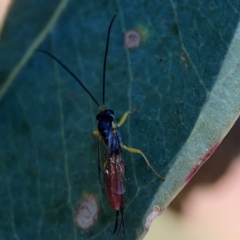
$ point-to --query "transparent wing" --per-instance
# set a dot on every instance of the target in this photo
(116, 166)
(111, 168)
(103, 154)
(115, 174)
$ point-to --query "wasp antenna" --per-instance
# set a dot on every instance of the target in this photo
(105, 58)
(71, 73)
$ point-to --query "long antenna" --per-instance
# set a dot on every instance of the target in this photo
(105, 59)
(71, 73)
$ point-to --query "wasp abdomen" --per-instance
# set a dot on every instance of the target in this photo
(115, 181)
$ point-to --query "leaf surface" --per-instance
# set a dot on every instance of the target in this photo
(183, 79)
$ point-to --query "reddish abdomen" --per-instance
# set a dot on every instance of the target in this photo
(115, 184)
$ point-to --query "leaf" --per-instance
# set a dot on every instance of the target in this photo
(183, 79)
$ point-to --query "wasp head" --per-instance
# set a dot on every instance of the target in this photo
(106, 114)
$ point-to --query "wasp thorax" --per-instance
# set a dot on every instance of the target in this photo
(105, 119)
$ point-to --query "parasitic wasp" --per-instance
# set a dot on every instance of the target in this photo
(111, 166)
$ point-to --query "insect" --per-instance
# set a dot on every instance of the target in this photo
(111, 166)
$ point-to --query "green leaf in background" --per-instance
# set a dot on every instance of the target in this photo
(183, 79)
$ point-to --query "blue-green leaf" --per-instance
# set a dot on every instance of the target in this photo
(183, 79)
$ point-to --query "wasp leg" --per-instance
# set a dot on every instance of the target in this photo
(122, 225)
(124, 117)
(116, 222)
(134, 150)
(95, 133)
(100, 171)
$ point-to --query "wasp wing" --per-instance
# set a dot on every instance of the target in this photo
(115, 175)
(103, 154)
(115, 166)
(111, 168)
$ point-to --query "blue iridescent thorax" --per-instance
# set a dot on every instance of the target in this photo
(110, 135)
